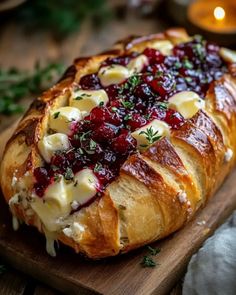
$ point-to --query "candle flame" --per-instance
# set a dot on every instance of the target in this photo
(219, 13)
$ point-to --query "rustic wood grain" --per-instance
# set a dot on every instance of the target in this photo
(43, 290)
(12, 284)
(25, 250)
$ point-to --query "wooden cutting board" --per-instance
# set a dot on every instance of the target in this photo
(70, 273)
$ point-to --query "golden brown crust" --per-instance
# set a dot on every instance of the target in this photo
(146, 202)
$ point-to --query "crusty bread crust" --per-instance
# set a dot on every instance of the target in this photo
(144, 203)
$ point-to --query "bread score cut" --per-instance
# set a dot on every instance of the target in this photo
(127, 146)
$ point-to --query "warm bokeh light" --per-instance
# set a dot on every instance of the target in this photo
(219, 13)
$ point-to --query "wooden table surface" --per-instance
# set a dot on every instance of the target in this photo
(22, 49)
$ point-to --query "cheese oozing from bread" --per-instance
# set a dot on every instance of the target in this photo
(60, 195)
(86, 100)
(60, 119)
(50, 144)
(113, 74)
(187, 103)
(150, 133)
(53, 205)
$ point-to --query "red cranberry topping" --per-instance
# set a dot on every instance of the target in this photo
(103, 141)
(136, 122)
(124, 143)
(90, 81)
(153, 55)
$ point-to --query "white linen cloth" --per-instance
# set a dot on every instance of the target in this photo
(212, 270)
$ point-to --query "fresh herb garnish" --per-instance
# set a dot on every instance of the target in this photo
(92, 145)
(187, 64)
(147, 259)
(54, 167)
(128, 117)
(57, 177)
(151, 136)
(97, 167)
(162, 105)
(83, 95)
(114, 109)
(131, 83)
(15, 84)
(148, 262)
(69, 175)
(127, 104)
(56, 115)
(153, 251)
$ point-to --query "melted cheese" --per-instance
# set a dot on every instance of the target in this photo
(113, 74)
(54, 204)
(50, 144)
(228, 55)
(164, 46)
(86, 100)
(148, 134)
(137, 64)
(187, 103)
(84, 186)
(60, 119)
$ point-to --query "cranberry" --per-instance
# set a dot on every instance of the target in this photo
(112, 91)
(137, 121)
(98, 115)
(163, 85)
(153, 55)
(104, 132)
(143, 91)
(173, 118)
(212, 47)
(90, 81)
(41, 175)
(105, 175)
(124, 143)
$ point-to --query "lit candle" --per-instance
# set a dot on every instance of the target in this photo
(216, 19)
(219, 14)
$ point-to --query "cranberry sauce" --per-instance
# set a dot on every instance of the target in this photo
(103, 140)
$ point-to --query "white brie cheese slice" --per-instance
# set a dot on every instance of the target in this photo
(86, 100)
(50, 144)
(61, 119)
(137, 64)
(84, 186)
(187, 103)
(54, 204)
(228, 55)
(164, 46)
(150, 133)
(113, 74)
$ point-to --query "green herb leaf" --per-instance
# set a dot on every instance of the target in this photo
(97, 167)
(153, 251)
(127, 104)
(148, 262)
(15, 84)
(151, 136)
(69, 175)
(56, 115)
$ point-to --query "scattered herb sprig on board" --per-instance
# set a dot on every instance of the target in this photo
(16, 84)
(148, 259)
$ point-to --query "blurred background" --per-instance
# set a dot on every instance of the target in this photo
(39, 38)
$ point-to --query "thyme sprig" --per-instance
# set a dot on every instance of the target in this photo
(16, 84)
(151, 135)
